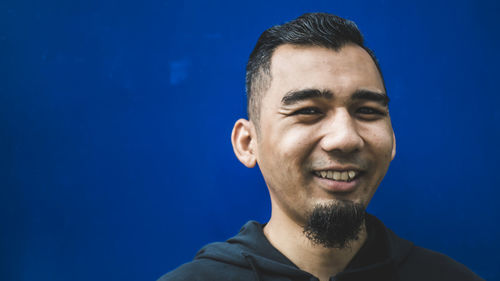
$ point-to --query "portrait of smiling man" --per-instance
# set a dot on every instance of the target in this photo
(320, 131)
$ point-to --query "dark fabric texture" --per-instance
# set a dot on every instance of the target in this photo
(384, 256)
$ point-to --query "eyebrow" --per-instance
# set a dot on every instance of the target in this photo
(381, 98)
(295, 96)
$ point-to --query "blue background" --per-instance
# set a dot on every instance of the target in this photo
(115, 117)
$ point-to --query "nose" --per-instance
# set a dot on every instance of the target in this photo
(340, 134)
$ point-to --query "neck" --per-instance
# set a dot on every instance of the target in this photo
(288, 237)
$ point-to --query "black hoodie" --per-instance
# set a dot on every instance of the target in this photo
(384, 256)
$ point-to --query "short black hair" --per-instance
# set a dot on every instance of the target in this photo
(311, 29)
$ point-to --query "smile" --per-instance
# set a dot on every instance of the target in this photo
(337, 175)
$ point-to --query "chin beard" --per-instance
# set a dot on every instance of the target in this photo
(335, 225)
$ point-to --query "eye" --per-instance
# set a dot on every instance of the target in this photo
(307, 111)
(370, 113)
(368, 110)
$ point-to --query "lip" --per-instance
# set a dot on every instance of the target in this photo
(333, 186)
(339, 168)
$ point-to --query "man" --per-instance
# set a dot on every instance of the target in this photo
(320, 131)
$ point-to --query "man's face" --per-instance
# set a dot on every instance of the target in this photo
(325, 131)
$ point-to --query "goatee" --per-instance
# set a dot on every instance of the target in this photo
(335, 225)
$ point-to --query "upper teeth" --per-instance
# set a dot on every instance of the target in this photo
(336, 175)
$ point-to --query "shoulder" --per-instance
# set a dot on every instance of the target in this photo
(425, 264)
(194, 270)
(414, 263)
(206, 269)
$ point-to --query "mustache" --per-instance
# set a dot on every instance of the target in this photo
(318, 164)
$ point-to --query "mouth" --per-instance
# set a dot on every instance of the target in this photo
(336, 175)
(338, 181)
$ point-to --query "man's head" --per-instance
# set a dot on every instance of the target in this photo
(313, 29)
(324, 138)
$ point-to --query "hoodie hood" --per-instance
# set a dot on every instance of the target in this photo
(250, 249)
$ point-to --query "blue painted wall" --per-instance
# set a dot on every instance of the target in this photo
(115, 116)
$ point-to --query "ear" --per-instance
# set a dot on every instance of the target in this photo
(243, 139)
(393, 146)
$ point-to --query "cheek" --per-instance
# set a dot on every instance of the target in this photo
(384, 147)
(294, 145)
(381, 142)
(282, 156)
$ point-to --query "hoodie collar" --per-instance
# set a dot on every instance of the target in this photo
(378, 257)
(251, 249)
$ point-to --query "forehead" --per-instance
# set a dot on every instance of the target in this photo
(342, 72)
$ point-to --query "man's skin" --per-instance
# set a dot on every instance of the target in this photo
(324, 110)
